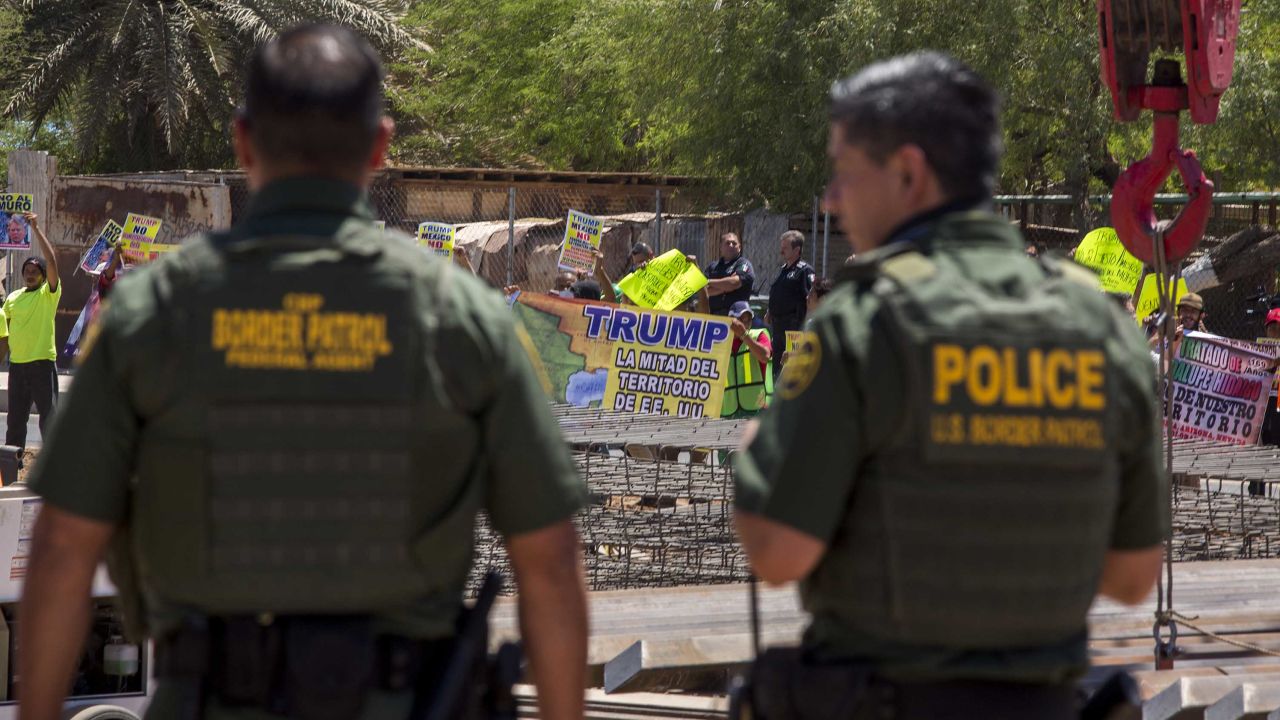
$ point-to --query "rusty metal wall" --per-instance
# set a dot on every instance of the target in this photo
(80, 206)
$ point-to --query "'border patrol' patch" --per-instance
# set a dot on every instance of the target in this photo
(802, 366)
(1013, 399)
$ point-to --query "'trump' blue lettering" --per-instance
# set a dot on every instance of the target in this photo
(715, 332)
(684, 332)
(652, 329)
(673, 331)
(623, 327)
(596, 316)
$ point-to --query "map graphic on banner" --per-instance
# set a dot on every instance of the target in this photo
(1102, 252)
(1149, 297)
(17, 234)
(628, 359)
(437, 238)
(1220, 390)
(664, 283)
(95, 259)
(581, 240)
(138, 243)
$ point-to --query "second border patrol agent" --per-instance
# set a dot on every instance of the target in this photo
(291, 426)
(996, 462)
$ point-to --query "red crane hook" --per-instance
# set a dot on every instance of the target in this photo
(1130, 32)
(1133, 197)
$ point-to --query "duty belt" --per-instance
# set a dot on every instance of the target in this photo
(313, 667)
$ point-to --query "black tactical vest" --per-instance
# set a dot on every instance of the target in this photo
(311, 459)
(984, 522)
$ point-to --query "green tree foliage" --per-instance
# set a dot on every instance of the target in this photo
(735, 90)
(151, 84)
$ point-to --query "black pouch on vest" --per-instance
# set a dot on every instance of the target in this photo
(328, 668)
(785, 686)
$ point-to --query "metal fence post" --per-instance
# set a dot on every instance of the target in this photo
(813, 233)
(826, 239)
(657, 220)
(511, 233)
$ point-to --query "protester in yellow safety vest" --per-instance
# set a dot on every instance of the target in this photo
(749, 382)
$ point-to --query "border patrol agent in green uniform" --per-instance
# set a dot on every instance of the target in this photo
(288, 429)
(964, 450)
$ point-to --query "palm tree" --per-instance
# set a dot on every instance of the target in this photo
(151, 84)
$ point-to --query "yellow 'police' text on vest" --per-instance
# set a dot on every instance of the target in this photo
(1001, 396)
(299, 336)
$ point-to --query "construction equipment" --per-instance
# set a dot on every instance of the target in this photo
(1131, 32)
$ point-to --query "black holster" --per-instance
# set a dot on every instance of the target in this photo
(309, 668)
(300, 667)
(784, 686)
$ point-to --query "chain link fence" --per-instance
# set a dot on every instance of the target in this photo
(1057, 223)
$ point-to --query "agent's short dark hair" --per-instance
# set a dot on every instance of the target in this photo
(313, 96)
(930, 100)
(795, 237)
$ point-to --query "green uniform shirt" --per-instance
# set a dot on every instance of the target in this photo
(803, 466)
(31, 314)
(529, 481)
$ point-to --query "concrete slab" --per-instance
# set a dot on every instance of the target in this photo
(1189, 698)
(1251, 701)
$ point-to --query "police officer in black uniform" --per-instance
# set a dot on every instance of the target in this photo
(731, 278)
(789, 294)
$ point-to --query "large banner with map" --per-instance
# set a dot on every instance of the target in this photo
(629, 359)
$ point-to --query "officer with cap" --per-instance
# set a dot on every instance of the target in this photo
(287, 430)
(963, 451)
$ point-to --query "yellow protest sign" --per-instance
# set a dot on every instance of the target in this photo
(1102, 252)
(138, 242)
(664, 283)
(436, 238)
(581, 239)
(1149, 297)
(629, 359)
(793, 337)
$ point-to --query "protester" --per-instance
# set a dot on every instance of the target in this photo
(1124, 300)
(562, 285)
(749, 381)
(731, 279)
(1190, 318)
(789, 294)
(820, 290)
(641, 253)
(1272, 327)
(110, 272)
(33, 375)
